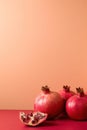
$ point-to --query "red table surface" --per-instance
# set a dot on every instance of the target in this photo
(9, 120)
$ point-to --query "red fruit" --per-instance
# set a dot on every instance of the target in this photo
(33, 118)
(49, 102)
(76, 106)
(66, 92)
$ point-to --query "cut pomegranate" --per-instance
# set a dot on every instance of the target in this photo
(33, 118)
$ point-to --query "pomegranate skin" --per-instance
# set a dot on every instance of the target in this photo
(66, 92)
(76, 107)
(66, 95)
(49, 102)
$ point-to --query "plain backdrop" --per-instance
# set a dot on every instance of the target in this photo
(42, 42)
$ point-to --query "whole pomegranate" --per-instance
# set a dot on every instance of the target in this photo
(66, 92)
(49, 102)
(76, 106)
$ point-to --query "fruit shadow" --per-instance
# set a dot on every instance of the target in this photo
(49, 123)
(45, 124)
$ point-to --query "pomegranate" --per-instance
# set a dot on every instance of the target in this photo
(76, 106)
(49, 102)
(33, 118)
(66, 92)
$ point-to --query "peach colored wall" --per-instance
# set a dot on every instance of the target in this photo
(41, 42)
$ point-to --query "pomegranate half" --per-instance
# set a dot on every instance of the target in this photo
(49, 102)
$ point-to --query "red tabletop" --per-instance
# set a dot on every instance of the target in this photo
(9, 120)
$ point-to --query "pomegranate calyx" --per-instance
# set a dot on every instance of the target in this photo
(66, 88)
(80, 91)
(45, 89)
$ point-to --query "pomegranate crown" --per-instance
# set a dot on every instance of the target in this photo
(66, 88)
(45, 89)
(80, 91)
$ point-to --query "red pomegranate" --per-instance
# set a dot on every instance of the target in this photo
(66, 92)
(49, 102)
(76, 106)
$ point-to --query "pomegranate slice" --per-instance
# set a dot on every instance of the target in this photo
(33, 118)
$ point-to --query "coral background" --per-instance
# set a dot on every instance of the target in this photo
(42, 42)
